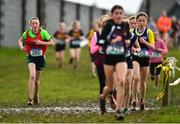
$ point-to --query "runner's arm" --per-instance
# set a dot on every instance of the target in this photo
(94, 47)
(103, 37)
(149, 44)
(20, 42)
(136, 47)
(163, 48)
(46, 43)
(81, 37)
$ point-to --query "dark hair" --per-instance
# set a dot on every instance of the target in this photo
(116, 7)
(142, 14)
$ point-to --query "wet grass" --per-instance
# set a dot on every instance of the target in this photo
(68, 86)
(57, 85)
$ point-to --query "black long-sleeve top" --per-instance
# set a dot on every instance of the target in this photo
(111, 30)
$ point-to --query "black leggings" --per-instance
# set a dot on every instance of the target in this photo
(101, 77)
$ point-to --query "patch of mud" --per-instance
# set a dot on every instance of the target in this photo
(66, 109)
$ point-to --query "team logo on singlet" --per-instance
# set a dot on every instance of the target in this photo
(118, 27)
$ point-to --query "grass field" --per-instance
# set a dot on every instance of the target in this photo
(65, 86)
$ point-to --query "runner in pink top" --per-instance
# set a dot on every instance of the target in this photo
(98, 53)
(94, 46)
(156, 57)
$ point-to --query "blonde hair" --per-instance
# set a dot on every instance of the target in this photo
(33, 18)
(76, 22)
(105, 17)
(62, 24)
(95, 21)
(132, 17)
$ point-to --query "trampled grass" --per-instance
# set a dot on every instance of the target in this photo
(68, 86)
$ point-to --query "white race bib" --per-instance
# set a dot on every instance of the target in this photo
(61, 42)
(76, 42)
(36, 52)
(115, 50)
(155, 54)
(143, 53)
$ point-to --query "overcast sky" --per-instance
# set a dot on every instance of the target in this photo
(130, 6)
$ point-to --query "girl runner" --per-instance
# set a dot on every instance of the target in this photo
(90, 34)
(133, 46)
(156, 58)
(114, 36)
(141, 59)
(132, 22)
(98, 52)
(61, 37)
(36, 41)
(76, 35)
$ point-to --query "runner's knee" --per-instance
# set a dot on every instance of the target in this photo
(136, 79)
(120, 83)
(32, 77)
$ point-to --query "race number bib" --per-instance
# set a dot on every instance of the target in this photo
(61, 42)
(155, 54)
(143, 53)
(115, 50)
(36, 52)
(76, 42)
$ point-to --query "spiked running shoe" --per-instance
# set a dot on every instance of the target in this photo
(36, 101)
(119, 115)
(125, 111)
(30, 102)
(142, 106)
(134, 105)
(102, 104)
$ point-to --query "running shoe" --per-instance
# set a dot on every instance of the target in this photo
(119, 115)
(30, 102)
(102, 103)
(125, 111)
(142, 106)
(75, 66)
(134, 105)
(60, 65)
(152, 78)
(36, 101)
(70, 60)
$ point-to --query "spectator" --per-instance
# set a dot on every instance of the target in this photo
(164, 26)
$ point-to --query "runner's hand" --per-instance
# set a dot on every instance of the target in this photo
(38, 42)
(118, 38)
(134, 50)
(142, 40)
(23, 49)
